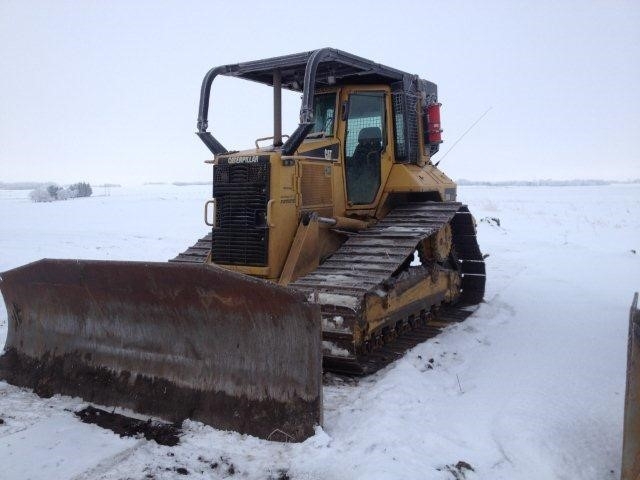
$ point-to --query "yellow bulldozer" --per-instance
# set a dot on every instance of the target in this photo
(335, 248)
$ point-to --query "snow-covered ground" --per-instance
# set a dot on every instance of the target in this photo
(530, 387)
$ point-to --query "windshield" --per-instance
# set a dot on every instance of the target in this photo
(324, 112)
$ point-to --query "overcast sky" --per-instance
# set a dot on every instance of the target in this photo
(108, 91)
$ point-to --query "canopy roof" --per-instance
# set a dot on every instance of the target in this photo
(337, 67)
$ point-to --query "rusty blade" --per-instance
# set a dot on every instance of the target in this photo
(173, 340)
(631, 433)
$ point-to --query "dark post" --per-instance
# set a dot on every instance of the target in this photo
(277, 108)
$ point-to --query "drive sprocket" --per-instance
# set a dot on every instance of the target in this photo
(437, 247)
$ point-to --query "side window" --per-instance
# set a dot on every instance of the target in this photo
(324, 114)
(365, 140)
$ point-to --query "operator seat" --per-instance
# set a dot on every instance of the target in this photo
(369, 146)
(363, 168)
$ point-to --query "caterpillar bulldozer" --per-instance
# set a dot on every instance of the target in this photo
(336, 247)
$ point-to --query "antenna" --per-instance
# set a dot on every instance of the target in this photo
(462, 136)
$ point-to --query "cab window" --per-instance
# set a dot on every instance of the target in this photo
(324, 114)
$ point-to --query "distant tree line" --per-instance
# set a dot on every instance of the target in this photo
(21, 185)
(35, 185)
(542, 183)
(52, 192)
(183, 184)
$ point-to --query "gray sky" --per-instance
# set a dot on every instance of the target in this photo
(108, 91)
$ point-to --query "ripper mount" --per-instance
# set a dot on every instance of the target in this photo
(304, 72)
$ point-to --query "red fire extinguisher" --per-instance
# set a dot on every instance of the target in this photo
(434, 132)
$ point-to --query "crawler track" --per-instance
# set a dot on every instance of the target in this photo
(423, 329)
(372, 262)
(369, 263)
(197, 253)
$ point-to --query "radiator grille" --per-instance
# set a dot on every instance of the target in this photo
(241, 235)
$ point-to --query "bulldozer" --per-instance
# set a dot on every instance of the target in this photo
(334, 248)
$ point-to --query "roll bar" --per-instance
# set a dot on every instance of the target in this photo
(203, 111)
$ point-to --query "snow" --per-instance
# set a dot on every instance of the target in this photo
(330, 348)
(529, 387)
(70, 449)
(335, 324)
(335, 299)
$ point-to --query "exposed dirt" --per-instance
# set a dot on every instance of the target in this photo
(458, 470)
(162, 433)
(493, 221)
(222, 465)
(282, 474)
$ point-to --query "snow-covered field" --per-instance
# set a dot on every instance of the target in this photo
(530, 387)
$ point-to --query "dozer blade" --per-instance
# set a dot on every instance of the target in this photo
(172, 340)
